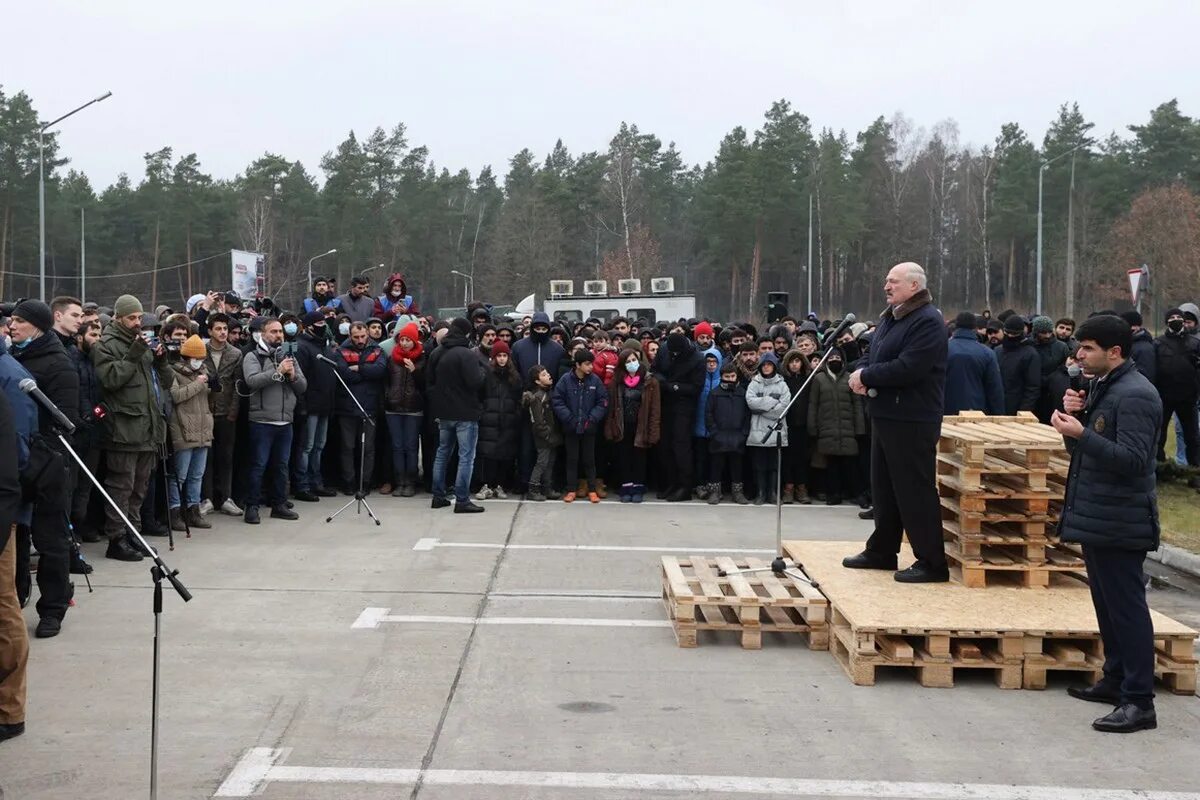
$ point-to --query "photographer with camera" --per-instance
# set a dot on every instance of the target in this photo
(133, 373)
(41, 352)
(274, 381)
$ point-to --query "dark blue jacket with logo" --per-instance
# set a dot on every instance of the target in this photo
(1110, 499)
(580, 405)
(907, 366)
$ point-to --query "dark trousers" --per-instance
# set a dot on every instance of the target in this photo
(495, 471)
(218, 477)
(528, 454)
(796, 456)
(81, 495)
(270, 451)
(1185, 408)
(542, 472)
(904, 488)
(717, 463)
(677, 436)
(580, 448)
(349, 429)
(48, 532)
(839, 476)
(126, 479)
(405, 435)
(700, 459)
(764, 460)
(629, 461)
(1119, 595)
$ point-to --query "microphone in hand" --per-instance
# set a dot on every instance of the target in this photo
(1074, 401)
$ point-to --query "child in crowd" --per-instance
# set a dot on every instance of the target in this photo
(712, 377)
(796, 370)
(580, 403)
(546, 434)
(835, 418)
(767, 396)
(727, 419)
(634, 423)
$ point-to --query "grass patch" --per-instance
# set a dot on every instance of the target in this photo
(1178, 508)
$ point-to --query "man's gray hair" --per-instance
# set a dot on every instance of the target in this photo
(914, 272)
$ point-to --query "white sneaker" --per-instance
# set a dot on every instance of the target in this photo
(484, 493)
(206, 508)
(499, 493)
(229, 507)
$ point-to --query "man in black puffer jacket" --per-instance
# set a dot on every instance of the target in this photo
(1178, 382)
(454, 385)
(1111, 509)
(41, 352)
(679, 368)
(907, 371)
(1020, 368)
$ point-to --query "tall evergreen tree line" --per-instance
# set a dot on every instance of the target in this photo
(728, 231)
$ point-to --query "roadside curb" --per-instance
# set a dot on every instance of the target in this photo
(1178, 558)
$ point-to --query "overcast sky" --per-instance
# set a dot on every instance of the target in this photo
(477, 81)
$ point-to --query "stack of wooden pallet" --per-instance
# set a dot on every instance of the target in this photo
(1001, 481)
(699, 598)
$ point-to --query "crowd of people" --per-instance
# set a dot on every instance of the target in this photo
(238, 408)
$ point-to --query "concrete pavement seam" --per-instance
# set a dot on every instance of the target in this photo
(462, 661)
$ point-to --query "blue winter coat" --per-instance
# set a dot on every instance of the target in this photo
(907, 365)
(1111, 499)
(972, 376)
(580, 405)
(711, 381)
(727, 418)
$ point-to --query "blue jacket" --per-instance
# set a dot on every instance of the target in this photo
(711, 381)
(972, 376)
(25, 419)
(907, 365)
(580, 405)
(1111, 499)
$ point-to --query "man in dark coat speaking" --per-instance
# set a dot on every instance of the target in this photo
(905, 381)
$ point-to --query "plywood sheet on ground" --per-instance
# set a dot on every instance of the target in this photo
(872, 600)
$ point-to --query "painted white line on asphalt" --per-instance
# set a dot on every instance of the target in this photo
(603, 596)
(258, 767)
(430, 543)
(373, 617)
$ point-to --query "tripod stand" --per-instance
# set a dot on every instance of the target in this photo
(780, 565)
(158, 573)
(360, 496)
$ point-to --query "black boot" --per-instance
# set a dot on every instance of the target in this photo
(924, 572)
(121, 550)
(250, 517)
(1097, 693)
(868, 559)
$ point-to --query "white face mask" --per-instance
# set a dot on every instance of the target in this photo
(344, 329)
(197, 363)
(632, 367)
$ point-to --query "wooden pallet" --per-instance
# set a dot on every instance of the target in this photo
(1028, 504)
(1019, 441)
(697, 599)
(997, 569)
(994, 547)
(933, 656)
(1175, 660)
(1003, 472)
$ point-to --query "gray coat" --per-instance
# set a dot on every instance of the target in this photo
(272, 397)
(767, 398)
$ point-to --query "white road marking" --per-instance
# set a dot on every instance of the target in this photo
(259, 766)
(373, 617)
(430, 543)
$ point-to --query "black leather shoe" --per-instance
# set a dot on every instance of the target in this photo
(282, 511)
(679, 495)
(348, 491)
(48, 628)
(321, 491)
(250, 517)
(663, 493)
(467, 508)
(120, 550)
(867, 513)
(869, 560)
(1127, 719)
(152, 527)
(307, 497)
(1096, 693)
(922, 572)
(438, 502)
(11, 731)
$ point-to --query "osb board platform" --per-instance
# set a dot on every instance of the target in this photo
(872, 601)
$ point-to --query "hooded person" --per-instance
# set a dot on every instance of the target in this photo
(395, 299)
(835, 420)
(1177, 361)
(767, 397)
(1020, 368)
(536, 348)
(679, 368)
(712, 378)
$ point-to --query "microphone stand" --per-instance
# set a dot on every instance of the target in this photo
(158, 573)
(360, 496)
(780, 565)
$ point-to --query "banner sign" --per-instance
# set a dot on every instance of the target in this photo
(247, 273)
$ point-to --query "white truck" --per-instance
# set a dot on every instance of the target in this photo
(662, 302)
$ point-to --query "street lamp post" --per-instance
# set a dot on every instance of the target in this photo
(42, 191)
(1041, 175)
(470, 281)
(314, 258)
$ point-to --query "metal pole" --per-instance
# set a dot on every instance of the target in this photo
(41, 218)
(808, 268)
(1038, 304)
(1071, 243)
(82, 257)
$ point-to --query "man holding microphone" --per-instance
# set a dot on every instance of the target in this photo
(1111, 509)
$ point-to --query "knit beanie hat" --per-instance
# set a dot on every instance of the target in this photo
(127, 304)
(702, 327)
(36, 313)
(1043, 325)
(411, 331)
(460, 327)
(312, 318)
(499, 346)
(193, 347)
(676, 343)
(581, 355)
(965, 319)
(1014, 324)
(1133, 317)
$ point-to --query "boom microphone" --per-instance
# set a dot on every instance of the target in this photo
(29, 386)
(843, 326)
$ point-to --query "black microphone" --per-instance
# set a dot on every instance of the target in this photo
(1078, 382)
(29, 386)
(843, 326)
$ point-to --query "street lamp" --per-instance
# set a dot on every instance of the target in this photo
(1041, 174)
(314, 258)
(471, 281)
(42, 191)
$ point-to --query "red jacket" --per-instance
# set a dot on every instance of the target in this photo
(604, 364)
